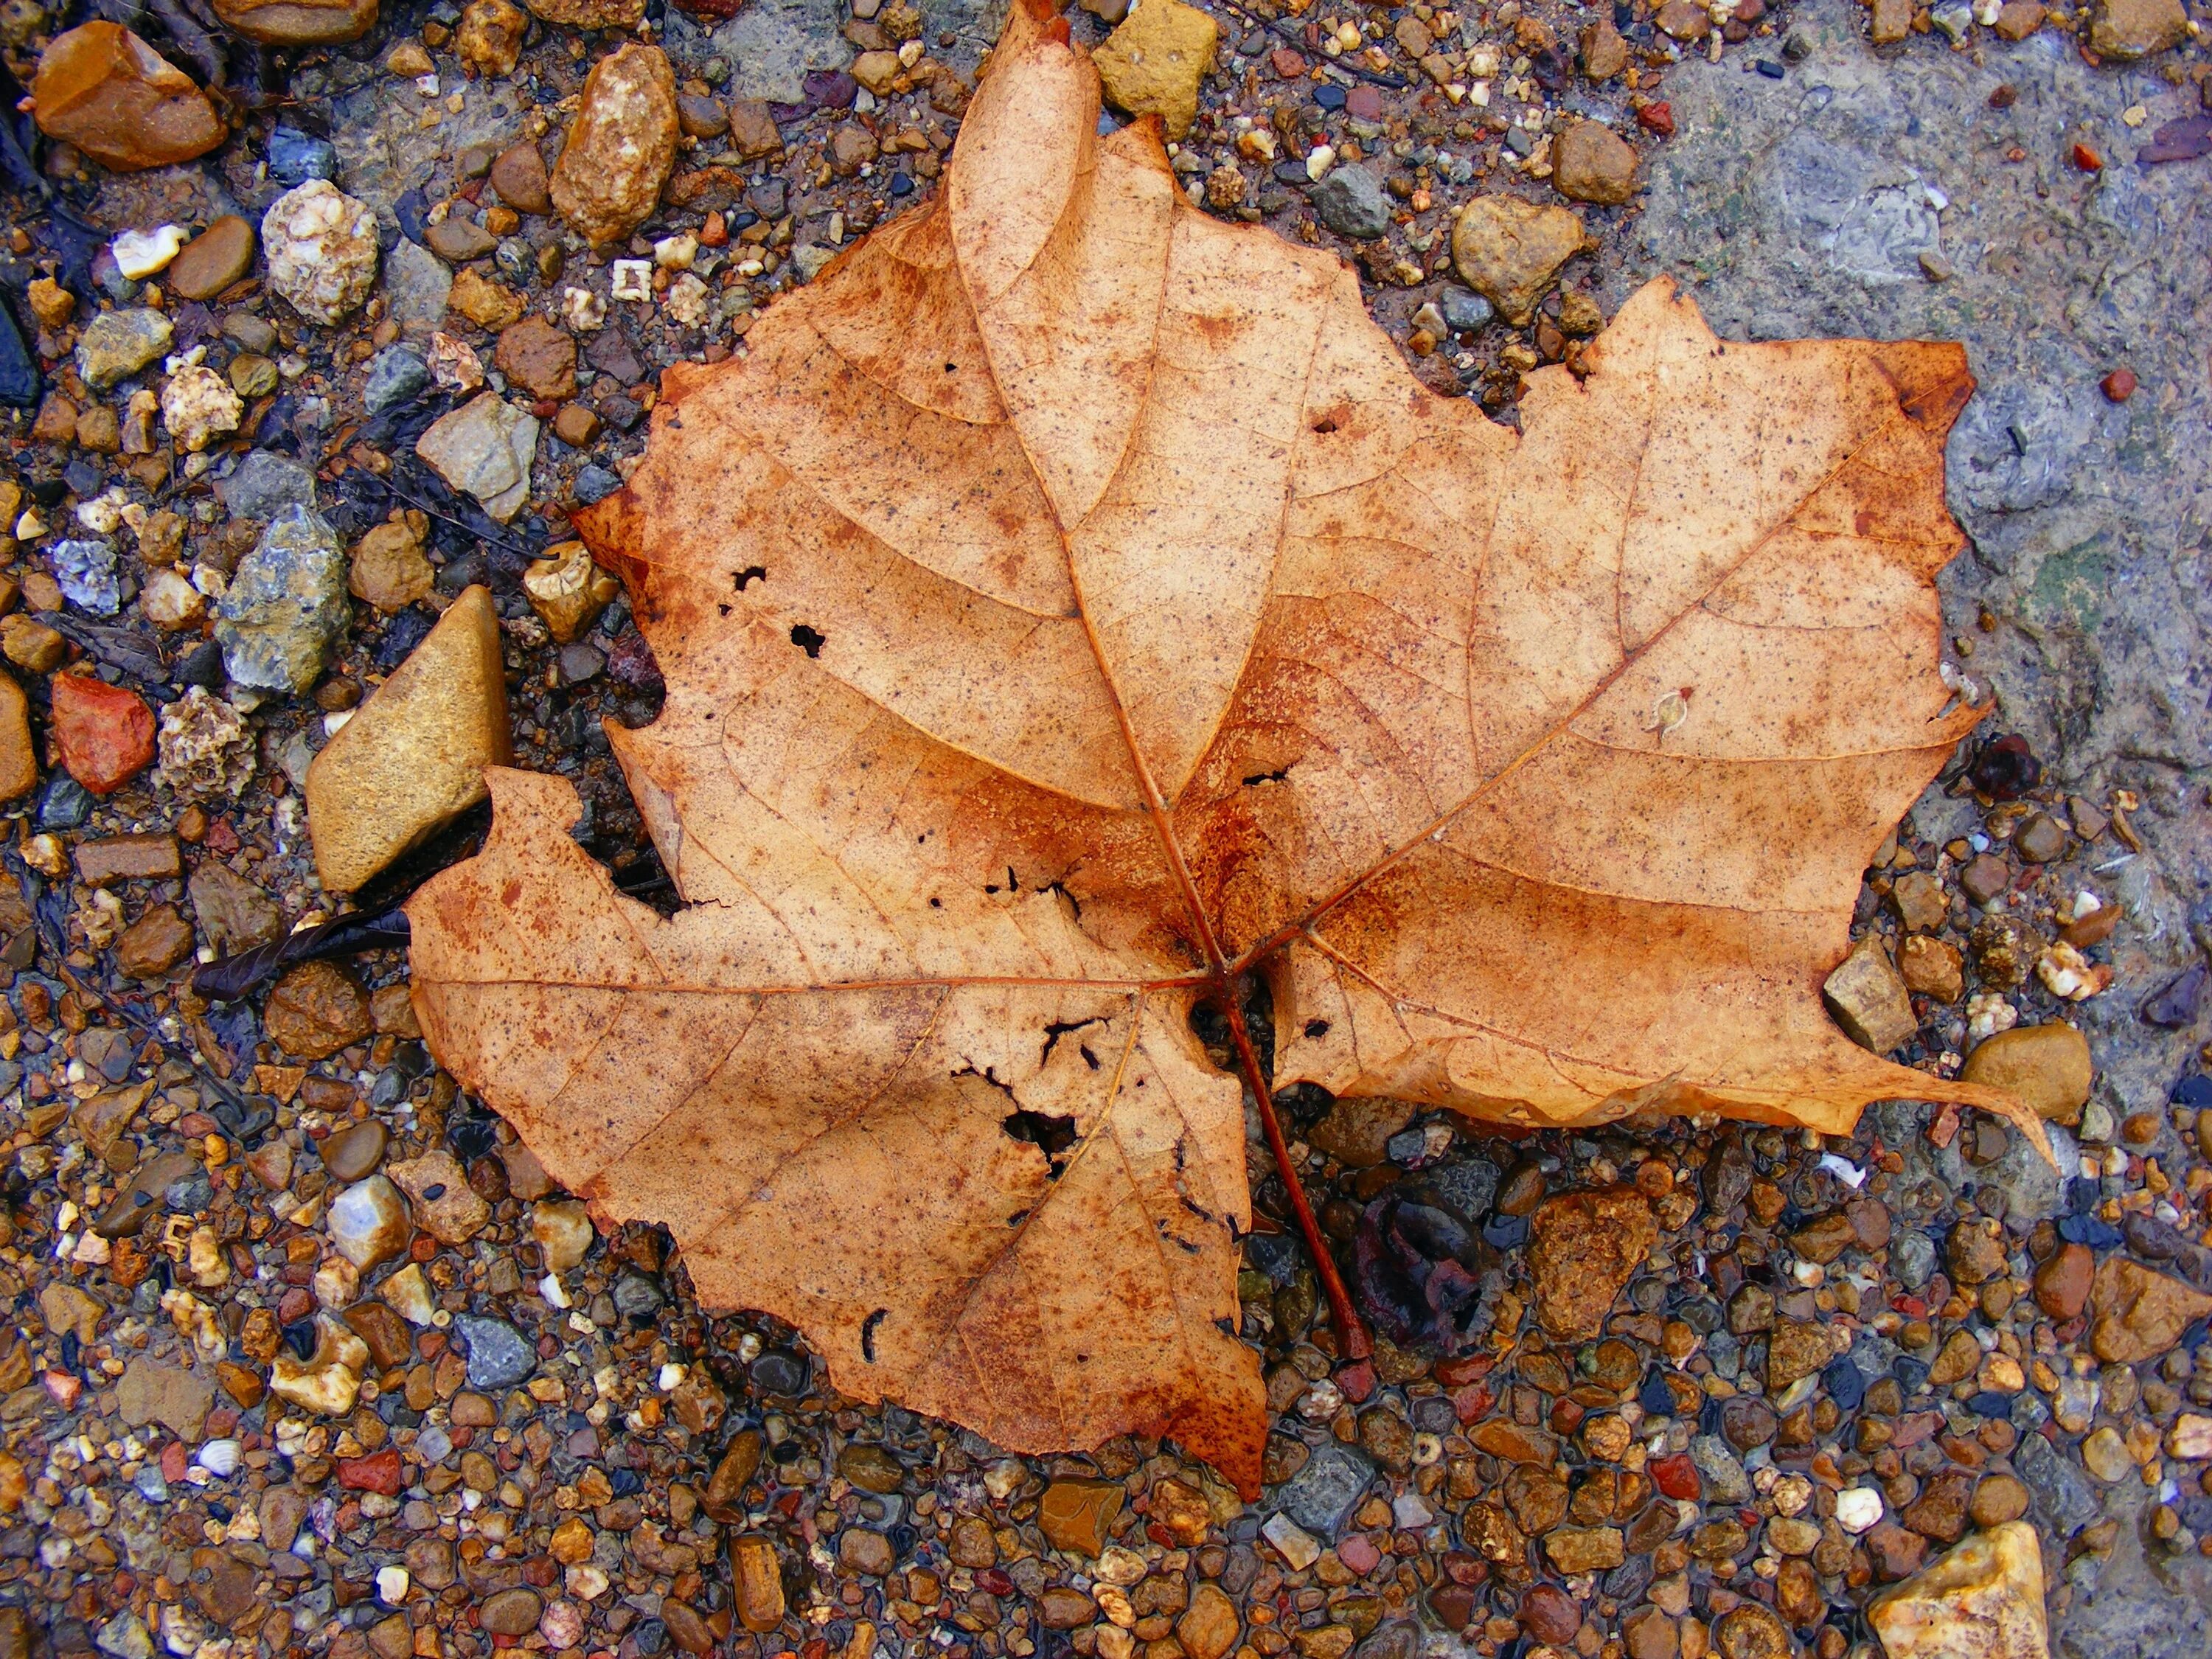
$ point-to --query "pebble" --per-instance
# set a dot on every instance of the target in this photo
(445, 1206)
(564, 1233)
(2048, 1067)
(1074, 1514)
(117, 345)
(620, 147)
(511, 1612)
(1509, 251)
(412, 756)
(2139, 1315)
(520, 178)
(316, 1009)
(328, 1381)
(221, 254)
(1590, 163)
(539, 357)
(199, 406)
(368, 1223)
(398, 374)
(1153, 64)
(1351, 203)
(286, 606)
(353, 1152)
(2128, 30)
(498, 1357)
(758, 1575)
(85, 571)
(388, 569)
(568, 590)
(485, 447)
(1584, 1248)
(1868, 998)
(321, 248)
(296, 156)
(1982, 1598)
(102, 88)
(104, 733)
(298, 23)
(1858, 1508)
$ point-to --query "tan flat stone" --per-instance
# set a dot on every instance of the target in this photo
(414, 755)
(1982, 1601)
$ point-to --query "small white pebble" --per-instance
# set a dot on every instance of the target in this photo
(140, 254)
(391, 1585)
(671, 1376)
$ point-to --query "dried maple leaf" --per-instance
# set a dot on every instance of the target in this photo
(1070, 606)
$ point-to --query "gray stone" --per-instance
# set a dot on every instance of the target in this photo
(85, 572)
(1465, 310)
(397, 374)
(1321, 1496)
(1351, 203)
(2063, 1496)
(484, 448)
(264, 485)
(1717, 1466)
(499, 1357)
(2034, 1190)
(416, 284)
(774, 43)
(125, 1637)
(1912, 1258)
(286, 606)
(635, 1296)
(117, 345)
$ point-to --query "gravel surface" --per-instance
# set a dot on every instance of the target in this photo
(307, 1354)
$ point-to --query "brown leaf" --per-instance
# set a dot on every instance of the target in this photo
(1069, 604)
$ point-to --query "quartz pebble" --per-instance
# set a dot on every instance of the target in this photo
(321, 248)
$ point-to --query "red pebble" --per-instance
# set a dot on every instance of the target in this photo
(1288, 65)
(2088, 160)
(173, 1461)
(106, 733)
(1658, 118)
(1472, 1400)
(2119, 386)
(1357, 1380)
(1676, 1476)
(379, 1472)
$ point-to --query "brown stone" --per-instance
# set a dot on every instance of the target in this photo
(724, 1501)
(1795, 1348)
(1932, 968)
(511, 1613)
(1509, 251)
(231, 914)
(1549, 1614)
(19, 755)
(619, 152)
(353, 1153)
(1895, 1552)
(154, 943)
(2048, 1067)
(2139, 1315)
(298, 23)
(315, 1009)
(413, 757)
(489, 39)
(1584, 1248)
(758, 1579)
(1751, 1632)
(144, 857)
(1074, 1514)
(2062, 1283)
(1975, 1251)
(388, 569)
(539, 357)
(1208, 1629)
(1868, 999)
(1825, 1237)
(1590, 163)
(1940, 1511)
(589, 14)
(1355, 1132)
(483, 301)
(1892, 21)
(2128, 29)
(576, 426)
(1684, 20)
(102, 88)
(1651, 1634)
(220, 255)
(1918, 898)
(1605, 54)
(389, 1343)
(1585, 1549)
(752, 129)
(519, 177)
(2018, 19)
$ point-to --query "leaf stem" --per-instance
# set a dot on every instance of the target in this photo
(1351, 1333)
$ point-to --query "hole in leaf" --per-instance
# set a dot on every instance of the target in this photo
(1316, 1027)
(1049, 1134)
(749, 575)
(868, 1334)
(1279, 775)
(808, 640)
